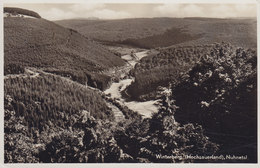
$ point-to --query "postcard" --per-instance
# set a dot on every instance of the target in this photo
(124, 83)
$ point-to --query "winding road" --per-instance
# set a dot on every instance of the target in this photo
(147, 108)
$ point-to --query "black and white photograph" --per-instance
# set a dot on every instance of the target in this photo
(135, 82)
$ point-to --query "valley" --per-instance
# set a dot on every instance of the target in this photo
(128, 90)
(147, 108)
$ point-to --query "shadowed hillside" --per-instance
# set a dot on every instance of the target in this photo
(43, 44)
(147, 32)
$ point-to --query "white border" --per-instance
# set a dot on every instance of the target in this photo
(133, 1)
(80, 165)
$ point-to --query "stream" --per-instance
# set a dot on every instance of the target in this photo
(147, 108)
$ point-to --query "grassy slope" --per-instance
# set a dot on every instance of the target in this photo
(240, 32)
(44, 44)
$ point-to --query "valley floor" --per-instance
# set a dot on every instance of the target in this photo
(147, 108)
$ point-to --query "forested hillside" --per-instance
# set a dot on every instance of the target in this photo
(170, 65)
(43, 44)
(214, 86)
(50, 119)
(44, 104)
(163, 32)
(222, 97)
(160, 69)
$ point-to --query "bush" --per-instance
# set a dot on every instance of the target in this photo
(220, 94)
(162, 135)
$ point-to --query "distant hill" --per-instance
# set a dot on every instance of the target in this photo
(32, 42)
(163, 32)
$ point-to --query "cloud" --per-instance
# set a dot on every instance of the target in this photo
(135, 10)
(86, 7)
(206, 10)
(84, 11)
(249, 10)
(192, 10)
(110, 14)
(239, 10)
(179, 10)
(58, 14)
(169, 10)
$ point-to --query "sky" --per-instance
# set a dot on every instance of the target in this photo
(52, 11)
